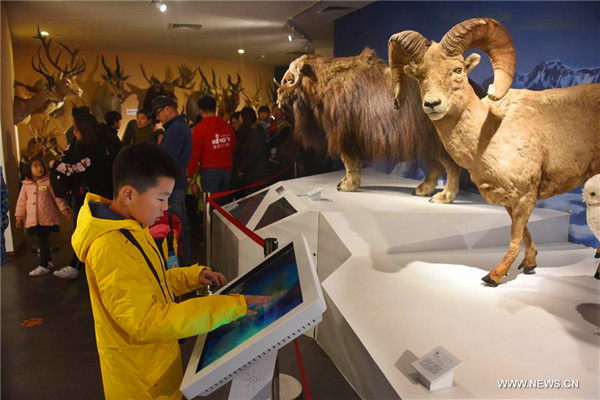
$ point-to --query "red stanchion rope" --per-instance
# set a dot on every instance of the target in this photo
(261, 242)
(302, 372)
(251, 186)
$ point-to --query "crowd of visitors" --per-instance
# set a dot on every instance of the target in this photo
(213, 155)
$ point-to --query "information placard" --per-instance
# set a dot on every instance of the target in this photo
(436, 368)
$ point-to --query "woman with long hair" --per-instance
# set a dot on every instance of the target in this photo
(87, 165)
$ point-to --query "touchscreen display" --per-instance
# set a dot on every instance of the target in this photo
(244, 209)
(276, 277)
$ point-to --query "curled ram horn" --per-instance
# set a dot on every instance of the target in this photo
(403, 48)
(294, 70)
(492, 37)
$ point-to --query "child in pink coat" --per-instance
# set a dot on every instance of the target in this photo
(40, 208)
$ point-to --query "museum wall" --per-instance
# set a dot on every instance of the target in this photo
(557, 45)
(161, 65)
(9, 146)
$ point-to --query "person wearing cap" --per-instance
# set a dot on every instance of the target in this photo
(177, 141)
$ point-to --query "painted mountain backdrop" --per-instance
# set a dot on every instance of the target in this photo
(551, 74)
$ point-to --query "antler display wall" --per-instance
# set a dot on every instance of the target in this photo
(162, 66)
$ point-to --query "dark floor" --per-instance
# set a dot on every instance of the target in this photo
(57, 359)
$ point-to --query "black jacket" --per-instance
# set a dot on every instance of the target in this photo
(252, 154)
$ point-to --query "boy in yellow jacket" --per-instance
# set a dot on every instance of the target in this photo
(136, 318)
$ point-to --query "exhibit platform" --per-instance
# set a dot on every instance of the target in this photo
(401, 276)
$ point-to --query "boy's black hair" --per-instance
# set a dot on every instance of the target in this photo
(28, 173)
(141, 165)
(263, 109)
(207, 103)
(111, 117)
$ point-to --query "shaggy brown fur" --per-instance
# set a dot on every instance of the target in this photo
(345, 106)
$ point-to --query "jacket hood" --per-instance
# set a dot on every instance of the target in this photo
(96, 219)
(214, 122)
(44, 180)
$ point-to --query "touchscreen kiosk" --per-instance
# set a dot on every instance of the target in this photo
(288, 276)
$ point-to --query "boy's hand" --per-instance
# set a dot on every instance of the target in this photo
(19, 223)
(252, 301)
(208, 277)
(66, 214)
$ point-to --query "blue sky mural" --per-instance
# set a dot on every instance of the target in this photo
(542, 31)
(557, 44)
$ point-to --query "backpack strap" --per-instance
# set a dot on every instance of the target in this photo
(130, 237)
(171, 234)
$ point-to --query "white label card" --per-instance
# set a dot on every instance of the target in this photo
(436, 363)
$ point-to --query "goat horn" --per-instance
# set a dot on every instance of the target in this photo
(276, 83)
(403, 48)
(492, 37)
(108, 73)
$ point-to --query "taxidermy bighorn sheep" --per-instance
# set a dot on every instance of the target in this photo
(111, 94)
(344, 106)
(50, 97)
(518, 145)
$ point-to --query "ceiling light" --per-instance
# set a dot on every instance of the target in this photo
(241, 51)
(159, 4)
(44, 33)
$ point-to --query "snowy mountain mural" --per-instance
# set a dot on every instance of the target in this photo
(552, 74)
(549, 75)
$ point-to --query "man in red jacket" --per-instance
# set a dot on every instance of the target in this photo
(213, 142)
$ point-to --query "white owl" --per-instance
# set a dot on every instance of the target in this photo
(591, 197)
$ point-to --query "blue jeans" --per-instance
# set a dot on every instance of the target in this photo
(215, 180)
(177, 203)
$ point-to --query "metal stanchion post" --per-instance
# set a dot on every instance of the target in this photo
(295, 169)
(270, 246)
(207, 228)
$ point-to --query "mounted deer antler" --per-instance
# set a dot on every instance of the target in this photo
(231, 96)
(254, 99)
(50, 98)
(44, 141)
(153, 81)
(185, 80)
(111, 94)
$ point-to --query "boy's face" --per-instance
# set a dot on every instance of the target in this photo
(263, 115)
(149, 206)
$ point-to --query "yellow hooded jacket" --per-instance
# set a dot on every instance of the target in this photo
(136, 319)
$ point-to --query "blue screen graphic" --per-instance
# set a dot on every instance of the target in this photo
(276, 277)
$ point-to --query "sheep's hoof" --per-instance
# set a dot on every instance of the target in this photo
(527, 270)
(597, 276)
(597, 254)
(442, 198)
(339, 185)
(489, 281)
